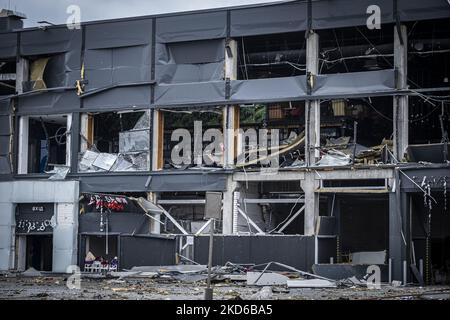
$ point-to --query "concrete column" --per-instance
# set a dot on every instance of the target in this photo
(22, 167)
(6, 227)
(22, 73)
(312, 113)
(399, 221)
(228, 206)
(155, 227)
(401, 102)
(309, 185)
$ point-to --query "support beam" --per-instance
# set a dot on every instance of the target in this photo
(228, 206)
(401, 102)
(158, 140)
(230, 113)
(250, 221)
(24, 123)
(22, 73)
(155, 227)
(312, 113)
(292, 219)
(309, 186)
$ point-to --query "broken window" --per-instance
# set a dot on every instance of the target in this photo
(356, 49)
(7, 77)
(271, 131)
(192, 138)
(115, 142)
(271, 56)
(361, 128)
(188, 209)
(428, 54)
(44, 144)
(362, 224)
(46, 72)
(271, 208)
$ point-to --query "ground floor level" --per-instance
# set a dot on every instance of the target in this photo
(54, 288)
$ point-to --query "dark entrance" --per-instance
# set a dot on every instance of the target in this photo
(39, 252)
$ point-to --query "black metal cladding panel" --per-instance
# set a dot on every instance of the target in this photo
(194, 26)
(50, 41)
(106, 67)
(263, 89)
(188, 182)
(410, 10)
(118, 222)
(355, 83)
(125, 97)
(295, 251)
(329, 14)
(268, 20)
(5, 125)
(190, 93)
(8, 45)
(5, 166)
(146, 251)
(119, 34)
(52, 102)
(4, 145)
(113, 183)
(433, 176)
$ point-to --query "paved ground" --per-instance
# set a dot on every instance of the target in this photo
(54, 288)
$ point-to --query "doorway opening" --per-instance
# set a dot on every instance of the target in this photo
(39, 252)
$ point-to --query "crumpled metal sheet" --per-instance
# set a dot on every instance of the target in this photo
(59, 172)
(334, 158)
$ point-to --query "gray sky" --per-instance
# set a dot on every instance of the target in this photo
(55, 10)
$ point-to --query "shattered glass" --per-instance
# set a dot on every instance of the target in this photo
(105, 161)
(58, 172)
(134, 140)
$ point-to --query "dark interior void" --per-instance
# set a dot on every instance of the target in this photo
(275, 215)
(46, 71)
(39, 252)
(286, 117)
(7, 77)
(429, 54)
(429, 120)
(356, 49)
(191, 216)
(363, 223)
(271, 56)
(372, 115)
(437, 266)
(196, 122)
(107, 127)
(46, 143)
(102, 246)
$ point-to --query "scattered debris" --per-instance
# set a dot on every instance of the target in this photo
(311, 283)
(266, 279)
(264, 294)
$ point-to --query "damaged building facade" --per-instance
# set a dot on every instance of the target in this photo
(361, 114)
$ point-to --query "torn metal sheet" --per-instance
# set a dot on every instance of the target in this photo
(266, 279)
(311, 283)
